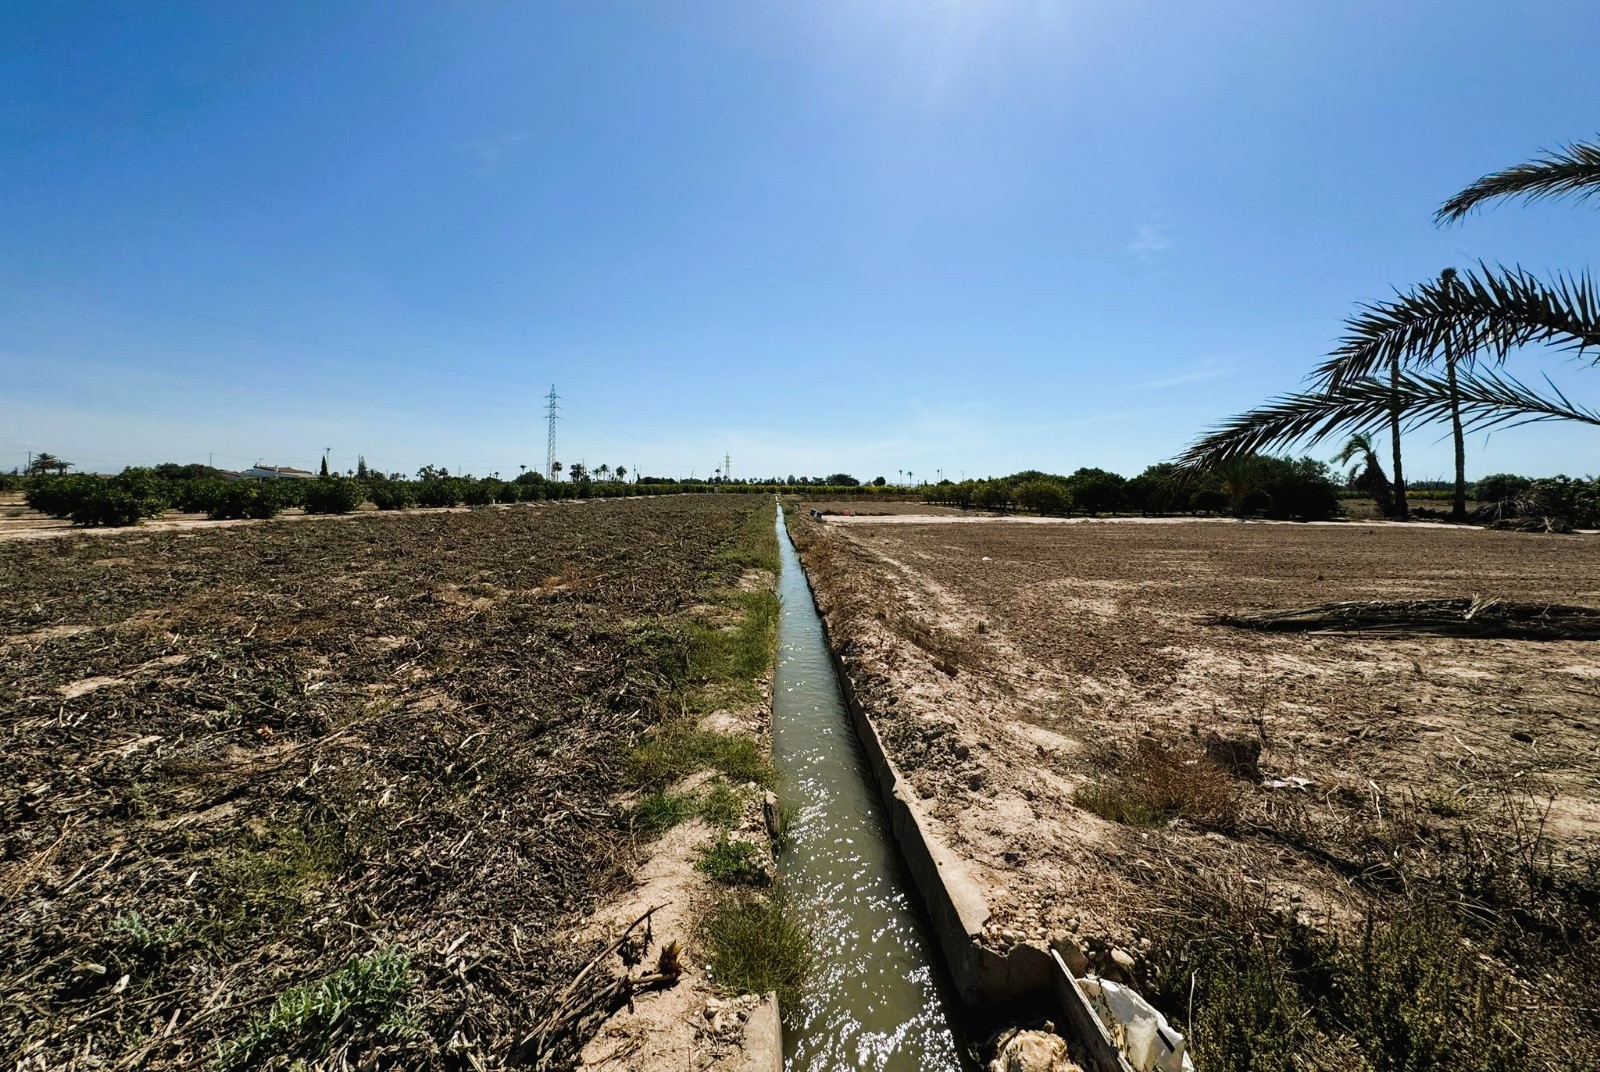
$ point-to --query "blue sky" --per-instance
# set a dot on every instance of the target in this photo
(873, 235)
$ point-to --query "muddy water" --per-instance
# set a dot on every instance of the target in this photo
(875, 999)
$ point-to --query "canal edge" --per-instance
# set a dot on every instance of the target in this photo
(956, 909)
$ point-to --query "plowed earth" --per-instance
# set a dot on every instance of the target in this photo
(1004, 662)
(236, 759)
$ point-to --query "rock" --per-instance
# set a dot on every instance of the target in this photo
(1122, 959)
(769, 813)
(1033, 1051)
(1071, 954)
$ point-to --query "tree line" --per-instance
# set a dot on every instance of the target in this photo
(138, 493)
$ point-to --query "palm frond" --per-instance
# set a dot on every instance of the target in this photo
(1361, 405)
(1572, 170)
(1492, 310)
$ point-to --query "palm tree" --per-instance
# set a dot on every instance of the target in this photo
(622, 472)
(602, 471)
(555, 470)
(1485, 400)
(1485, 312)
(45, 462)
(1369, 475)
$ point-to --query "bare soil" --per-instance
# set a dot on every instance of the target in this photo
(1009, 665)
(238, 758)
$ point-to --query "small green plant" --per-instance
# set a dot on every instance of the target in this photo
(366, 994)
(135, 934)
(733, 863)
(755, 944)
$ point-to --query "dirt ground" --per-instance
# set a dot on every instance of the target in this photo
(1009, 664)
(343, 791)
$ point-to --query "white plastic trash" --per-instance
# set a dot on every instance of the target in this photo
(1146, 1039)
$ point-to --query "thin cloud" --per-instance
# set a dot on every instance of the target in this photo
(1178, 379)
(1152, 239)
(490, 153)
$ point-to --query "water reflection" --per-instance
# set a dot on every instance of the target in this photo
(873, 1001)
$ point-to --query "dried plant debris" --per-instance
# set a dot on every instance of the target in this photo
(328, 793)
(1474, 617)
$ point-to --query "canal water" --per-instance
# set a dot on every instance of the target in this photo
(875, 999)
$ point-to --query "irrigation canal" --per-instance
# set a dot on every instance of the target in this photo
(876, 998)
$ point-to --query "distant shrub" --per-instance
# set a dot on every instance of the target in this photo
(439, 491)
(393, 495)
(257, 499)
(1094, 490)
(333, 495)
(125, 499)
(1043, 496)
(1499, 487)
(58, 496)
(479, 493)
(197, 496)
(287, 493)
(508, 493)
(1574, 501)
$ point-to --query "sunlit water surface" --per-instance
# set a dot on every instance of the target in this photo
(874, 1000)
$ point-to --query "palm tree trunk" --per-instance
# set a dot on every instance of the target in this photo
(1458, 508)
(1401, 510)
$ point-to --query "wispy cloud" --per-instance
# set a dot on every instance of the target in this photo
(1207, 371)
(490, 153)
(1152, 239)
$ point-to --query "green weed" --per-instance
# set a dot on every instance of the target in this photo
(732, 863)
(366, 993)
(722, 805)
(133, 932)
(1407, 994)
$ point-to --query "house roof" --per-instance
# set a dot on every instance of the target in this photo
(278, 471)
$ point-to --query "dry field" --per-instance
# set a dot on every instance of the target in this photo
(1051, 690)
(331, 791)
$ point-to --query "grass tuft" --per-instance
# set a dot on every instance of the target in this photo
(660, 812)
(754, 944)
(1156, 783)
(680, 749)
(1408, 993)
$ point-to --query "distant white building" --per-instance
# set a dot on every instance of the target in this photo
(276, 472)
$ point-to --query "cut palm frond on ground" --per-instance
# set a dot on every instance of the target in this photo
(1474, 617)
